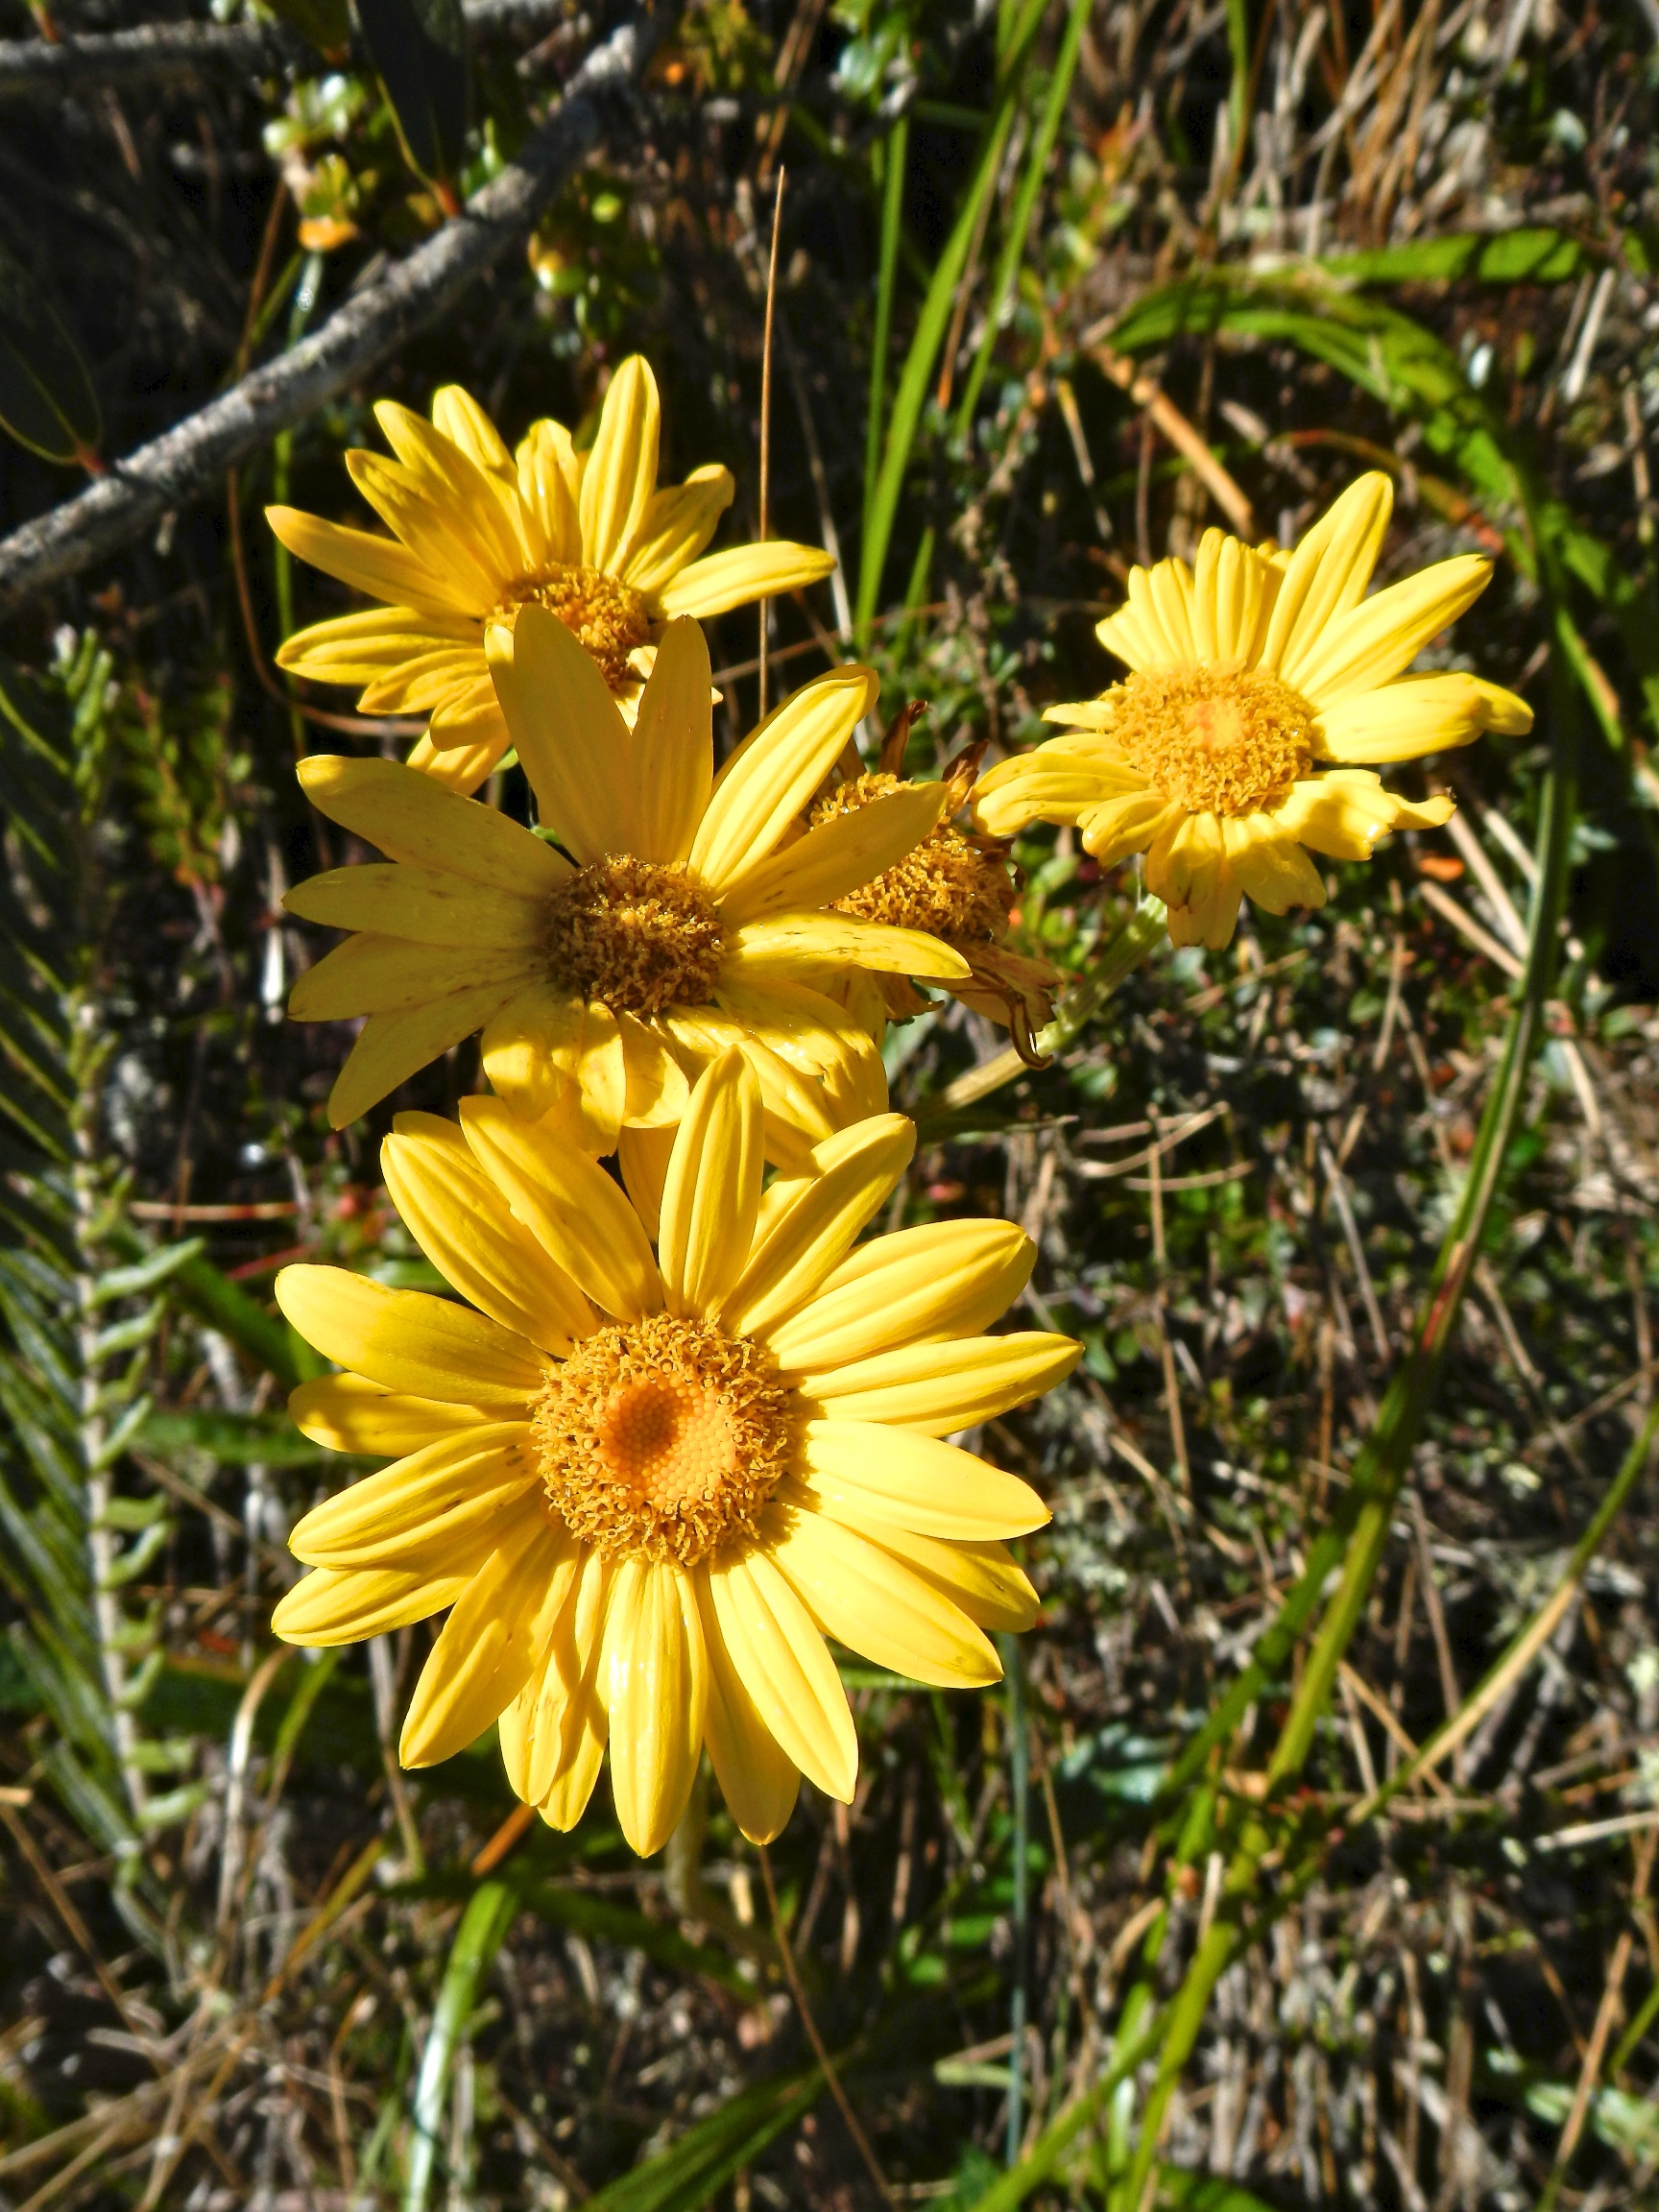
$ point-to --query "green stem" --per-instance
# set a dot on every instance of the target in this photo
(1019, 1790)
(896, 154)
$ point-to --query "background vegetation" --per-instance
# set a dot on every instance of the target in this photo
(1255, 1884)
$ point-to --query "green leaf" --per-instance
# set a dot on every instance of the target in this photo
(489, 1913)
(239, 1440)
(419, 49)
(1535, 256)
(46, 398)
(694, 2170)
(1204, 2193)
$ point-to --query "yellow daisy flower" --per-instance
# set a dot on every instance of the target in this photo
(1249, 671)
(482, 532)
(674, 928)
(650, 1483)
(955, 885)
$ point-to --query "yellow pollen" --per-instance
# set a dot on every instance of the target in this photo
(664, 1438)
(1220, 740)
(636, 934)
(604, 613)
(951, 884)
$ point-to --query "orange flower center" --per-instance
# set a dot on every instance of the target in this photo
(1220, 740)
(639, 935)
(949, 884)
(664, 1438)
(601, 611)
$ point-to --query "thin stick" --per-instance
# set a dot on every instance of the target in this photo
(766, 424)
(786, 1954)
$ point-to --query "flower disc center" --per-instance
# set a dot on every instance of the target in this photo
(948, 885)
(664, 1438)
(1218, 740)
(637, 934)
(605, 614)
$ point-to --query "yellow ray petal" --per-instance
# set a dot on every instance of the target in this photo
(1132, 639)
(561, 1724)
(1346, 812)
(569, 735)
(371, 973)
(870, 1602)
(489, 1644)
(409, 1341)
(434, 531)
(656, 1092)
(721, 581)
(838, 857)
(758, 1779)
(426, 905)
(1326, 574)
(1230, 599)
(391, 1047)
(1187, 867)
(1166, 599)
(939, 1388)
(1385, 635)
(328, 1607)
(798, 1111)
(467, 1230)
(1403, 720)
(849, 1177)
(984, 1578)
(461, 768)
(860, 1472)
(781, 1659)
(768, 780)
(793, 946)
(532, 1048)
(547, 484)
(643, 1156)
(675, 527)
(671, 754)
(944, 1279)
(410, 818)
(381, 642)
(458, 416)
(378, 566)
(1508, 715)
(621, 471)
(712, 1192)
(654, 1685)
(475, 503)
(1272, 868)
(1120, 826)
(348, 1413)
(422, 1512)
(570, 1206)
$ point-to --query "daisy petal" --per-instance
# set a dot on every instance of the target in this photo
(1326, 575)
(431, 529)
(781, 1659)
(371, 973)
(465, 1228)
(391, 1047)
(839, 856)
(643, 1156)
(409, 818)
(422, 1511)
(423, 905)
(1346, 812)
(380, 565)
(1385, 635)
(460, 419)
(621, 471)
(858, 1472)
(348, 1413)
(1403, 720)
(471, 500)
(1112, 832)
(545, 474)
(489, 1644)
(758, 1779)
(768, 780)
(940, 1388)
(712, 1189)
(1270, 866)
(570, 1206)
(787, 943)
(721, 581)
(677, 524)
(671, 759)
(329, 1607)
(409, 1341)
(566, 728)
(654, 1684)
(849, 1176)
(870, 1602)
(1230, 599)
(564, 1730)
(984, 1580)
(918, 1286)
(381, 643)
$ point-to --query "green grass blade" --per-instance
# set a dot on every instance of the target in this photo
(483, 1926)
(691, 2171)
(896, 154)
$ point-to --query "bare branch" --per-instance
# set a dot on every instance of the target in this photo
(39, 69)
(413, 293)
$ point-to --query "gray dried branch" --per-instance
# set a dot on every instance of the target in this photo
(192, 457)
